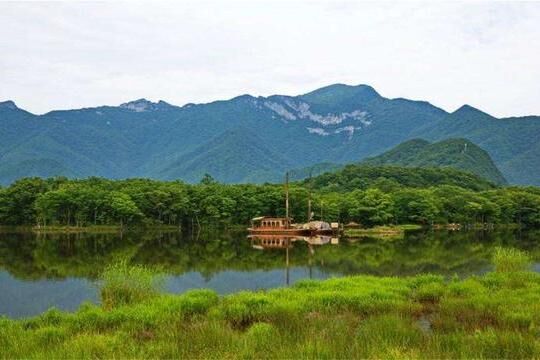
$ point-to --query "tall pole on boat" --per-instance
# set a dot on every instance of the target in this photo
(309, 198)
(287, 195)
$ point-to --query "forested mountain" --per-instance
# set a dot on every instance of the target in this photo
(511, 142)
(456, 153)
(248, 138)
(389, 178)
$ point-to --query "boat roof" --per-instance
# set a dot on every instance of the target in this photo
(268, 217)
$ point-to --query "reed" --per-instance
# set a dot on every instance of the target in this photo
(511, 260)
(124, 284)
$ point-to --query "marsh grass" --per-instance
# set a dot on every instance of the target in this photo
(124, 284)
(511, 260)
(496, 315)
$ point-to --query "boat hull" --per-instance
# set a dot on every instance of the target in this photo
(292, 232)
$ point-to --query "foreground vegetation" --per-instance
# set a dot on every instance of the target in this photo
(367, 195)
(496, 315)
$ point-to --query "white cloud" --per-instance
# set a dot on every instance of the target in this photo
(68, 55)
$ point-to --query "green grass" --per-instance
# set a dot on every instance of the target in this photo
(93, 228)
(124, 284)
(496, 315)
(77, 229)
(383, 231)
(511, 260)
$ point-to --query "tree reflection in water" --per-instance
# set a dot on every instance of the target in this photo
(38, 271)
(33, 256)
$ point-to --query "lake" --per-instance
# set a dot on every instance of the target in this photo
(39, 271)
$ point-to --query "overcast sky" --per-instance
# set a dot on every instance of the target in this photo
(72, 55)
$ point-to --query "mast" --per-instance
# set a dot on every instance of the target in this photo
(309, 198)
(287, 195)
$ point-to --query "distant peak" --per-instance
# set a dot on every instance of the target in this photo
(467, 111)
(141, 105)
(466, 107)
(341, 93)
(163, 103)
(138, 105)
(8, 105)
(243, 97)
(363, 88)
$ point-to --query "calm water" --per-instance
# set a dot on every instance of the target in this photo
(41, 271)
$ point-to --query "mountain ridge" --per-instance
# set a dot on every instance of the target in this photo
(337, 124)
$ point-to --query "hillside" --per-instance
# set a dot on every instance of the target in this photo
(252, 161)
(335, 124)
(313, 170)
(362, 176)
(512, 143)
(460, 154)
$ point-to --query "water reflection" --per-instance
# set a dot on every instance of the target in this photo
(38, 271)
(273, 242)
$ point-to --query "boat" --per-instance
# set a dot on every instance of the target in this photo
(318, 228)
(269, 225)
(276, 226)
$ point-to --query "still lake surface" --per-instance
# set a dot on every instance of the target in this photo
(40, 271)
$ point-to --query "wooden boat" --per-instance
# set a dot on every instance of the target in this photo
(276, 226)
(283, 225)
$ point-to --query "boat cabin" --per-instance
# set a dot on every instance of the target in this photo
(270, 223)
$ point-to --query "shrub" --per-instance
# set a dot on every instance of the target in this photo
(122, 284)
(511, 260)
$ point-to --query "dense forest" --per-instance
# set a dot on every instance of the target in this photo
(366, 195)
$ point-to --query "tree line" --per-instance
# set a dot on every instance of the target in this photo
(98, 201)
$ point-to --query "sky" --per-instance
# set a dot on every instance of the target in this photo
(84, 54)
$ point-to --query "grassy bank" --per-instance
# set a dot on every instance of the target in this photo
(97, 229)
(496, 315)
(385, 231)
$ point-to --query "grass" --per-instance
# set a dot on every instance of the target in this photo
(383, 231)
(77, 229)
(124, 284)
(510, 260)
(496, 315)
(104, 229)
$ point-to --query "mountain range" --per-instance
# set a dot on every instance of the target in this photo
(247, 138)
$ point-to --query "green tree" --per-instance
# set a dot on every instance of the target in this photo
(123, 208)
